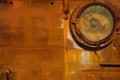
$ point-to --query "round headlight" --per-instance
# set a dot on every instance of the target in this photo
(92, 27)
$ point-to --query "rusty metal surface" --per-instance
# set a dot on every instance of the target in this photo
(96, 75)
(110, 54)
(3, 76)
(30, 23)
(96, 23)
(33, 63)
(32, 38)
(27, 27)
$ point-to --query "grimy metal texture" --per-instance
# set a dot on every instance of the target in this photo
(32, 38)
(86, 36)
(28, 31)
(3, 76)
(110, 54)
(96, 23)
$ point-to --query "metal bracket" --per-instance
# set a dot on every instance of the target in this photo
(65, 9)
(4, 75)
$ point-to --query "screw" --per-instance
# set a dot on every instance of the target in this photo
(115, 45)
(118, 31)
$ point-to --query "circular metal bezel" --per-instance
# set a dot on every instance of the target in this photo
(80, 39)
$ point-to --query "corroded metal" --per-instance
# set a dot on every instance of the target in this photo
(94, 27)
(32, 44)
